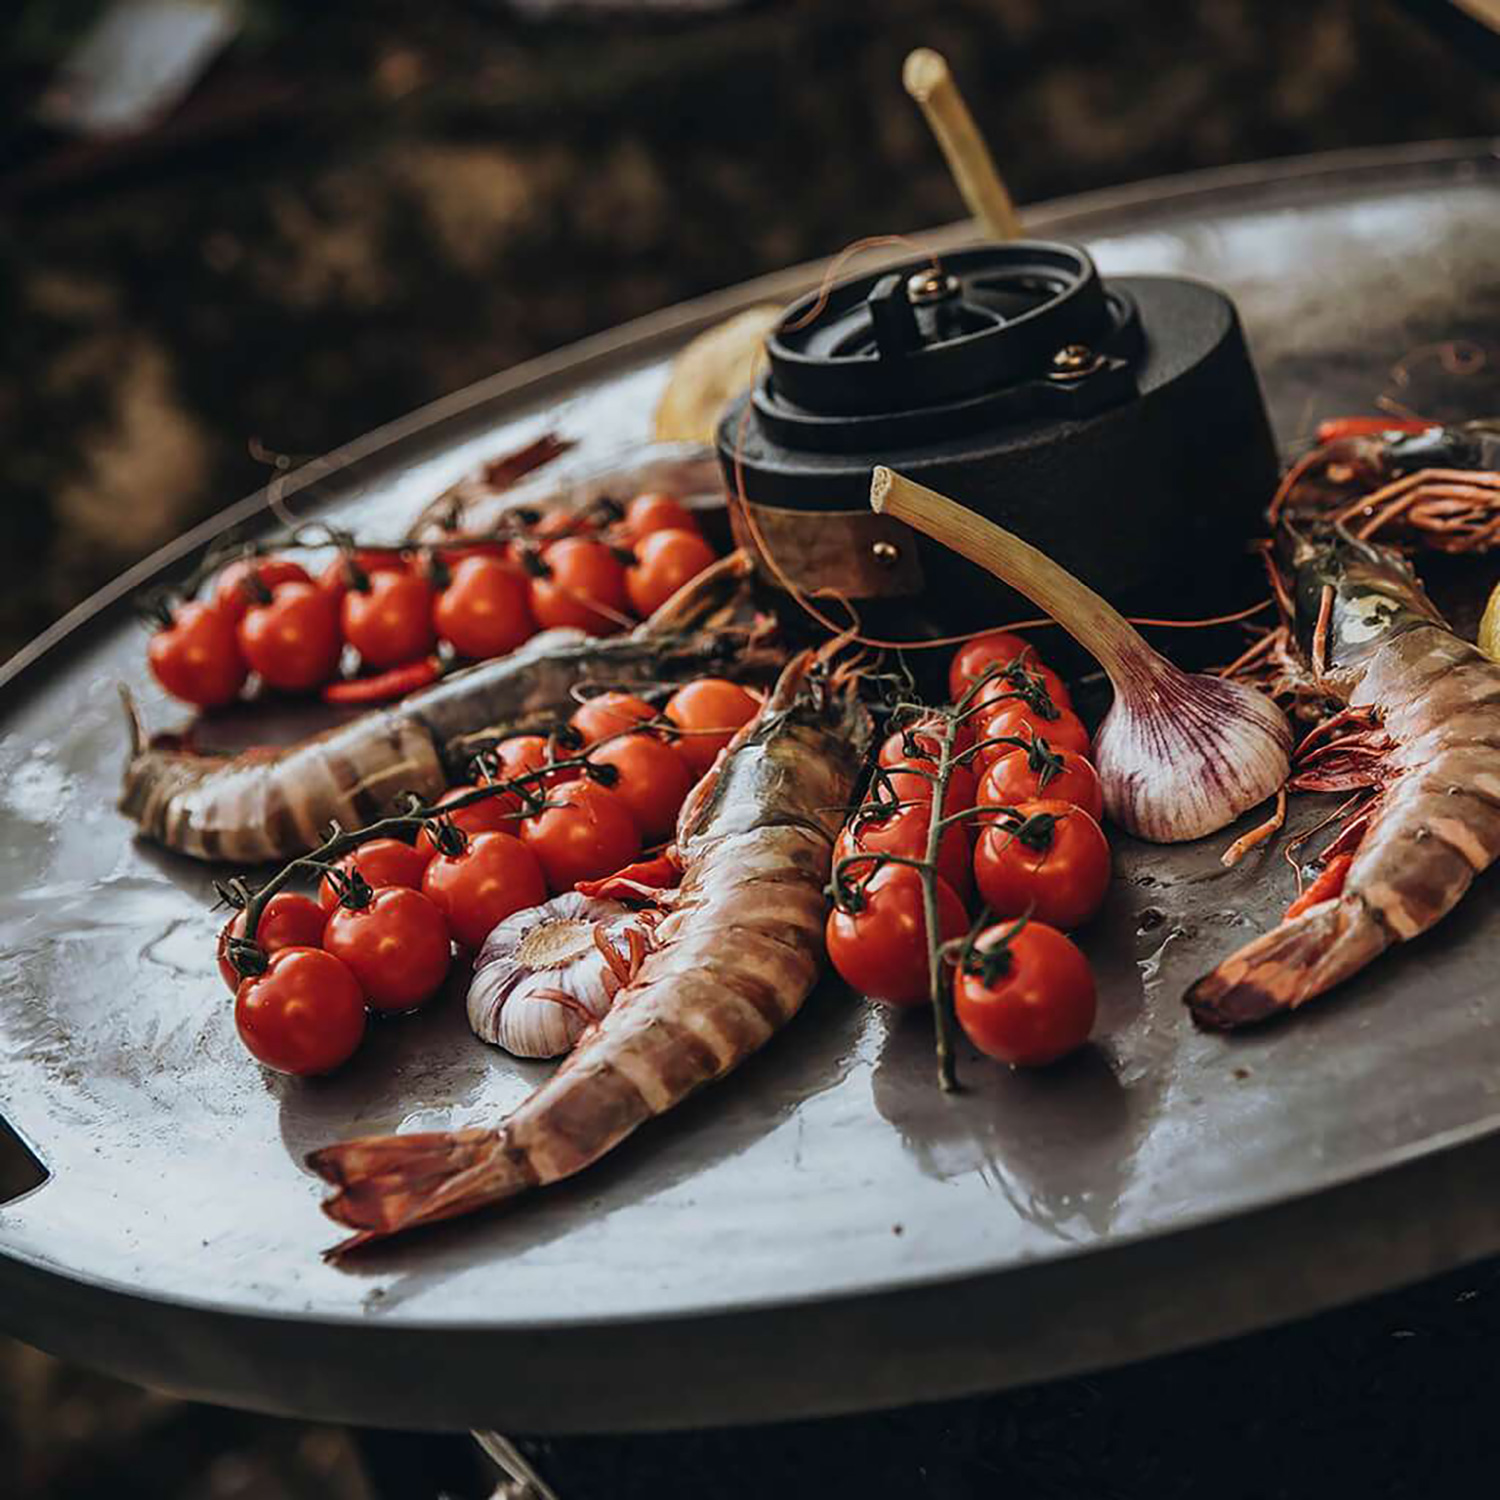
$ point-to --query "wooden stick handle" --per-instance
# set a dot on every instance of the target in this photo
(1093, 622)
(930, 83)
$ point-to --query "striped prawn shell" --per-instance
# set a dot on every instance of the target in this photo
(730, 965)
(256, 808)
(1434, 823)
(271, 804)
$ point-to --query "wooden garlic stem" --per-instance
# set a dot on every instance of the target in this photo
(1093, 622)
(930, 83)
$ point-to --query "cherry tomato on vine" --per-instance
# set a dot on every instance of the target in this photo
(709, 711)
(488, 815)
(304, 1015)
(664, 561)
(904, 832)
(389, 622)
(233, 591)
(652, 512)
(1024, 682)
(974, 658)
(1017, 777)
(653, 783)
(463, 551)
(1038, 1003)
(610, 713)
(522, 754)
(343, 572)
(288, 921)
(494, 877)
(557, 524)
(197, 657)
(382, 862)
(881, 949)
(896, 747)
(1018, 720)
(910, 780)
(397, 947)
(294, 640)
(1055, 864)
(585, 833)
(485, 610)
(582, 573)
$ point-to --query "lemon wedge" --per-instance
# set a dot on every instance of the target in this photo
(1489, 626)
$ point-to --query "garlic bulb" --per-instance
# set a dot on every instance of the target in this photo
(546, 973)
(1179, 754)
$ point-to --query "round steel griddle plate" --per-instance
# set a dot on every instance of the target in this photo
(823, 1231)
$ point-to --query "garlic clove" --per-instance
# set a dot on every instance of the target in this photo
(542, 976)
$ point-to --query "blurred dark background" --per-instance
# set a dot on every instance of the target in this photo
(353, 209)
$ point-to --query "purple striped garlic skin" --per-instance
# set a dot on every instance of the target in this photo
(1181, 755)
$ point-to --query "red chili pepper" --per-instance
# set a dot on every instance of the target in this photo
(395, 682)
(1330, 883)
(634, 880)
(1334, 428)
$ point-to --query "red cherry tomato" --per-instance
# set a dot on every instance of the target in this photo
(485, 610)
(610, 713)
(489, 815)
(453, 556)
(234, 593)
(197, 658)
(522, 754)
(1026, 775)
(653, 783)
(582, 573)
(909, 780)
(1015, 720)
(881, 949)
(656, 512)
(494, 877)
(904, 832)
(288, 921)
(708, 712)
(339, 576)
(664, 561)
(1039, 1002)
(304, 1015)
(294, 641)
(895, 749)
(973, 659)
(398, 947)
(587, 833)
(1025, 680)
(391, 621)
(382, 862)
(1055, 866)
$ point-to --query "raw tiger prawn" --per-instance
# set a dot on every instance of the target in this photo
(736, 952)
(1429, 486)
(263, 805)
(1420, 725)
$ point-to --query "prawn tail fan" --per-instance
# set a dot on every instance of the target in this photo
(1292, 963)
(387, 1183)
